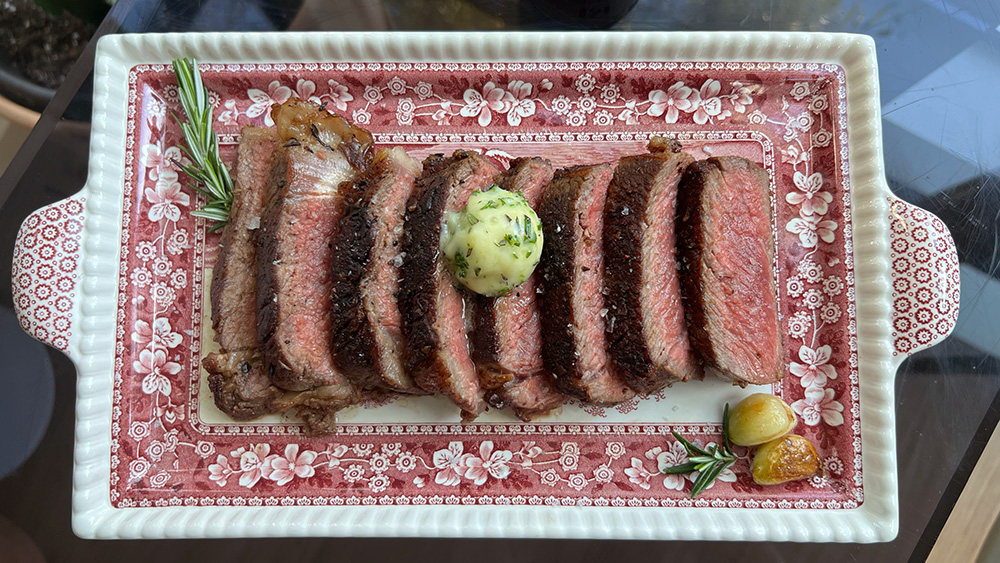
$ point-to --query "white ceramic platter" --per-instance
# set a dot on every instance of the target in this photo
(115, 277)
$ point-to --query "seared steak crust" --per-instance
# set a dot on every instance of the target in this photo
(240, 384)
(485, 342)
(647, 339)
(234, 274)
(507, 333)
(353, 337)
(237, 375)
(574, 343)
(437, 346)
(295, 250)
(368, 340)
(727, 250)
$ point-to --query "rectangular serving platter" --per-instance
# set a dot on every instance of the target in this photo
(125, 295)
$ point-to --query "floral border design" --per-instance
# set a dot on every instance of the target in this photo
(813, 291)
(157, 459)
(450, 474)
(597, 101)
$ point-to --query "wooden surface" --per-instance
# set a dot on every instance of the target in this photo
(20, 115)
(12, 136)
(975, 514)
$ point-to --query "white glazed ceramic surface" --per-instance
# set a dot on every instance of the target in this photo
(83, 285)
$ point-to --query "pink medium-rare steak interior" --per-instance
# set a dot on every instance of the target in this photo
(648, 340)
(663, 321)
(727, 253)
(234, 275)
(237, 375)
(294, 294)
(295, 250)
(570, 278)
(438, 355)
(507, 333)
(368, 339)
(381, 281)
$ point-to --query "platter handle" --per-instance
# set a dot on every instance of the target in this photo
(925, 278)
(47, 273)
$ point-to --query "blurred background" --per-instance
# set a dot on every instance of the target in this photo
(939, 67)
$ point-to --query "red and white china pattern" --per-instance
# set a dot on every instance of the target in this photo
(45, 271)
(925, 278)
(790, 117)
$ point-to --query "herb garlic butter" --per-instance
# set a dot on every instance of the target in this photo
(494, 243)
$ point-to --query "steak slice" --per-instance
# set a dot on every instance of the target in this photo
(295, 250)
(507, 330)
(433, 310)
(237, 375)
(726, 256)
(368, 337)
(317, 408)
(240, 384)
(234, 277)
(243, 391)
(570, 273)
(647, 338)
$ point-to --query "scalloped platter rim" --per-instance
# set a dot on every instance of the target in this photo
(115, 278)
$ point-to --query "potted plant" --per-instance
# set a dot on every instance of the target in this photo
(39, 42)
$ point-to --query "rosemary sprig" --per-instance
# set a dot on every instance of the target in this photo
(210, 174)
(709, 462)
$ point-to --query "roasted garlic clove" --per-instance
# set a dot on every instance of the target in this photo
(759, 418)
(789, 458)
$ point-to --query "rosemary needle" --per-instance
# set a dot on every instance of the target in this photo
(208, 171)
(709, 462)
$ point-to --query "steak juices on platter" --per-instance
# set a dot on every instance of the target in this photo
(331, 286)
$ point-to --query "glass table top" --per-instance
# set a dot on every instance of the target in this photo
(939, 67)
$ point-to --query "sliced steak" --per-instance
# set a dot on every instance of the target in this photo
(237, 375)
(243, 391)
(726, 255)
(367, 337)
(240, 384)
(530, 397)
(569, 276)
(234, 276)
(647, 337)
(318, 407)
(433, 310)
(295, 250)
(507, 330)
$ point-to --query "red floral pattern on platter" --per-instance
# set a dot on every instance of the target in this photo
(925, 278)
(790, 117)
(164, 452)
(45, 273)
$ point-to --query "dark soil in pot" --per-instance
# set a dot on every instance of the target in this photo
(37, 49)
